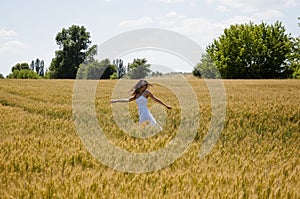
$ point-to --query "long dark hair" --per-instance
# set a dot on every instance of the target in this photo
(136, 89)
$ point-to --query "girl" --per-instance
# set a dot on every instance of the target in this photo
(140, 94)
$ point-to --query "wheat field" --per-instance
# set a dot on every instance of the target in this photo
(256, 156)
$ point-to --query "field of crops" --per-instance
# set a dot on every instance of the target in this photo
(256, 156)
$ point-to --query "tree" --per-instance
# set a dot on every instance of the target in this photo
(20, 66)
(42, 68)
(293, 62)
(74, 43)
(114, 76)
(23, 74)
(32, 65)
(138, 69)
(37, 65)
(251, 51)
(1, 76)
(121, 70)
(96, 70)
(22, 71)
(206, 68)
(90, 54)
(156, 74)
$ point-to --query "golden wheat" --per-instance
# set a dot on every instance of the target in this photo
(257, 155)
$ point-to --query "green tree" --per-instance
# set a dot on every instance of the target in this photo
(24, 74)
(32, 65)
(252, 51)
(37, 65)
(293, 62)
(114, 76)
(22, 71)
(121, 70)
(42, 68)
(96, 70)
(156, 74)
(206, 68)
(90, 54)
(20, 66)
(138, 69)
(73, 43)
(1, 76)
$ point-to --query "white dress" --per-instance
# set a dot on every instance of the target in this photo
(144, 112)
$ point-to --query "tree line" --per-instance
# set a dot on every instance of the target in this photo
(243, 51)
(252, 51)
(36, 70)
(76, 59)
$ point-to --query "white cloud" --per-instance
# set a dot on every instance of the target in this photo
(239, 20)
(256, 17)
(13, 47)
(7, 33)
(268, 14)
(201, 30)
(204, 30)
(170, 1)
(192, 3)
(170, 19)
(290, 3)
(143, 21)
(246, 6)
(222, 8)
(237, 5)
(251, 6)
(174, 15)
(209, 1)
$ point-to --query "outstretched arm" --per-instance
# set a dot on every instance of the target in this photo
(158, 100)
(123, 100)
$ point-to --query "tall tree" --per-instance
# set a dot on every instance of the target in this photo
(90, 54)
(20, 66)
(37, 65)
(121, 70)
(138, 69)
(32, 65)
(42, 68)
(96, 70)
(206, 68)
(251, 51)
(22, 71)
(293, 61)
(73, 43)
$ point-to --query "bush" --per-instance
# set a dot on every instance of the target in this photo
(296, 73)
(24, 74)
(114, 76)
(96, 70)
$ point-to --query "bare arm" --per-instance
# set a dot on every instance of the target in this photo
(123, 100)
(157, 100)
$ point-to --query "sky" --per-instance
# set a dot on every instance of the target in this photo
(28, 28)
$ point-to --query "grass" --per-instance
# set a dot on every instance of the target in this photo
(257, 155)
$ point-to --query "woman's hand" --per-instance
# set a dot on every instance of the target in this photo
(168, 107)
(119, 100)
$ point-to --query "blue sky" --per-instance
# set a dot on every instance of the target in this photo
(28, 28)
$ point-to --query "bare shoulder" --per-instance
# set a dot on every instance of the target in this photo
(132, 98)
(148, 93)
